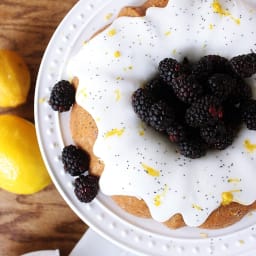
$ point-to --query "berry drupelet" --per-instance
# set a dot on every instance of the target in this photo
(155, 86)
(177, 132)
(160, 116)
(142, 100)
(193, 148)
(223, 143)
(208, 65)
(217, 136)
(232, 115)
(159, 89)
(186, 88)
(221, 85)
(62, 96)
(75, 160)
(170, 69)
(249, 114)
(241, 92)
(205, 111)
(86, 187)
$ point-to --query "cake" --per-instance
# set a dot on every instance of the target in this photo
(138, 168)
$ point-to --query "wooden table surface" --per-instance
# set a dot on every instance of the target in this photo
(42, 220)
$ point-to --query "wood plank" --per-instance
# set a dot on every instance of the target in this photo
(42, 220)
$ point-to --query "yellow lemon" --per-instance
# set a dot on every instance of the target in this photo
(14, 79)
(22, 170)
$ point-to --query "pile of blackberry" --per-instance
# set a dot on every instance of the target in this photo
(76, 163)
(199, 106)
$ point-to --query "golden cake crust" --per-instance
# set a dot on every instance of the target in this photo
(84, 132)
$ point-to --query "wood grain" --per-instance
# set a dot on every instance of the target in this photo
(37, 222)
(26, 27)
(42, 220)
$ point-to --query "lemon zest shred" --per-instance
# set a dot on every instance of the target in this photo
(108, 16)
(234, 180)
(42, 100)
(111, 32)
(114, 132)
(151, 171)
(197, 207)
(117, 94)
(117, 54)
(211, 26)
(228, 197)
(249, 146)
(83, 93)
(167, 33)
(141, 132)
(158, 198)
(217, 8)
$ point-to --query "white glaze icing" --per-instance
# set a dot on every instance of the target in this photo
(138, 161)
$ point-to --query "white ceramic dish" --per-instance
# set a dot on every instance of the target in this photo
(141, 236)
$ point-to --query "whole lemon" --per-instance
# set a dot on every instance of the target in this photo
(22, 170)
(14, 79)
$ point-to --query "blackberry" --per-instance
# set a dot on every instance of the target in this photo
(217, 136)
(205, 111)
(160, 116)
(221, 85)
(209, 65)
(249, 114)
(142, 100)
(232, 115)
(62, 96)
(223, 143)
(240, 93)
(179, 109)
(192, 148)
(170, 69)
(177, 132)
(244, 65)
(75, 160)
(159, 89)
(155, 85)
(186, 88)
(86, 187)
